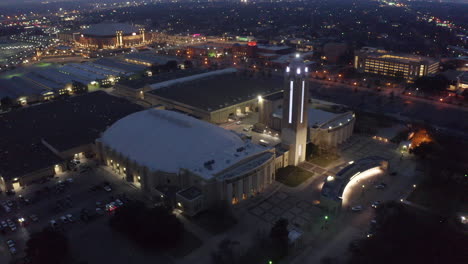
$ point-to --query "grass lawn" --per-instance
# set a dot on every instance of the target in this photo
(323, 160)
(292, 176)
(189, 243)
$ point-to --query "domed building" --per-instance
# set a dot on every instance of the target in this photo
(111, 36)
(159, 149)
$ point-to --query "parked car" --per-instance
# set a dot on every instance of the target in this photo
(375, 204)
(64, 219)
(34, 218)
(357, 208)
(13, 250)
(70, 218)
(53, 223)
(381, 186)
(10, 243)
(107, 188)
(119, 202)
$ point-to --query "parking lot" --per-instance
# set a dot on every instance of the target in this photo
(67, 202)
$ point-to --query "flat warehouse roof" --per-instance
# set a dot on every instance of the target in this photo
(64, 124)
(220, 91)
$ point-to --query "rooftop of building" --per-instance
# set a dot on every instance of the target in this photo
(151, 57)
(18, 86)
(120, 65)
(219, 90)
(159, 78)
(64, 124)
(190, 193)
(334, 186)
(273, 47)
(394, 56)
(319, 115)
(168, 141)
(109, 29)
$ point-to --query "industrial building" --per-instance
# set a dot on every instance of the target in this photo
(73, 78)
(382, 62)
(38, 141)
(215, 96)
(158, 149)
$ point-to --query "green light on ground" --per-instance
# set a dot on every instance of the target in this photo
(43, 64)
(326, 217)
(270, 262)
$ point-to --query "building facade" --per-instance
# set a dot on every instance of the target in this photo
(111, 36)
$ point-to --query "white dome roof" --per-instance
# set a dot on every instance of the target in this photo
(169, 141)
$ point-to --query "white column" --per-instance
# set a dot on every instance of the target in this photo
(229, 192)
(249, 185)
(240, 189)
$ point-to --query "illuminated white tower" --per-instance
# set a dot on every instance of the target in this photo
(295, 101)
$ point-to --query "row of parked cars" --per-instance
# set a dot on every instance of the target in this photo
(10, 224)
(11, 246)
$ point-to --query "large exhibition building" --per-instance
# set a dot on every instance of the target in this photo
(111, 36)
(160, 149)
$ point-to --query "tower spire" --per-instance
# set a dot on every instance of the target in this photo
(295, 104)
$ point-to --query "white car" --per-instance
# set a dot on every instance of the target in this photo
(10, 243)
(70, 218)
(356, 208)
(4, 224)
(238, 122)
(53, 223)
(64, 219)
(107, 188)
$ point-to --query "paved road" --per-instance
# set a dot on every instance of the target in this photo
(435, 113)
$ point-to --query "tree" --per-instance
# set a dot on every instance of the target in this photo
(424, 150)
(432, 84)
(225, 252)
(154, 228)
(171, 65)
(188, 64)
(47, 247)
(6, 103)
(404, 235)
(279, 238)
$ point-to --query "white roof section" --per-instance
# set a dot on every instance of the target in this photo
(191, 78)
(323, 119)
(110, 29)
(170, 141)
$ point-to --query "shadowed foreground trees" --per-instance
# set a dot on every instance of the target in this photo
(152, 228)
(407, 235)
(47, 247)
